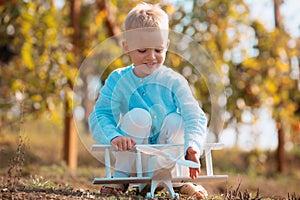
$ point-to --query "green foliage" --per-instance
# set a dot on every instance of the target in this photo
(219, 27)
(42, 73)
(255, 64)
(266, 78)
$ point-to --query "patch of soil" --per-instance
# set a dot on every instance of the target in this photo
(49, 193)
(23, 193)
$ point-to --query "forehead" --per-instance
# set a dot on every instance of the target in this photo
(146, 38)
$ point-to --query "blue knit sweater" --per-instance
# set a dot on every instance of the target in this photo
(161, 93)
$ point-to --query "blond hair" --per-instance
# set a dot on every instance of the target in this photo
(146, 15)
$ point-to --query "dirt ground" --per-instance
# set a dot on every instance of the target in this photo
(78, 188)
(34, 170)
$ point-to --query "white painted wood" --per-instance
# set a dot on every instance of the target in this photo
(164, 178)
(199, 179)
(107, 163)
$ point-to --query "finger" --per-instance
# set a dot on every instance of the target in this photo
(115, 147)
(194, 172)
(126, 144)
(119, 146)
(133, 142)
(114, 143)
(123, 145)
(192, 175)
(129, 144)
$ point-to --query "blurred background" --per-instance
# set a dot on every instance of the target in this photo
(254, 45)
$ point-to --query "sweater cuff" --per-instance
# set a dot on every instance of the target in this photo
(112, 136)
(195, 145)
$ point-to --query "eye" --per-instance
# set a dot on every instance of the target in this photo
(159, 50)
(142, 50)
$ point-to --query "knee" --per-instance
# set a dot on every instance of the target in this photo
(136, 121)
(174, 120)
(172, 129)
(138, 117)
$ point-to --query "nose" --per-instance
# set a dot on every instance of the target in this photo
(151, 54)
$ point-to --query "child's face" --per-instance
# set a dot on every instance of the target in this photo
(147, 50)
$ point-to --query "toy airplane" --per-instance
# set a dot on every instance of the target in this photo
(163, 165)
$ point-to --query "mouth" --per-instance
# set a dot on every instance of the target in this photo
(150, 65)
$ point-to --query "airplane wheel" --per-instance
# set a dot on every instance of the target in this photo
(176, 196)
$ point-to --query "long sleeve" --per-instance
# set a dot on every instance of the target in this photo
(182, 99)
(104, 118)
(195, 121)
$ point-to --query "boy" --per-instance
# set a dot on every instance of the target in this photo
(147, 102)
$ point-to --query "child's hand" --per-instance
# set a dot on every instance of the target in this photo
(122, 143)
(191, 155)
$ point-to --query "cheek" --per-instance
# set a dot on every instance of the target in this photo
(161, 58)
(135, 57)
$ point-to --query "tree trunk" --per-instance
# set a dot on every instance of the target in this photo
(110, 18)
(70, 140)
(2, 2)
(278, 18)
(281, 142)
(70, 134)
(280, 154)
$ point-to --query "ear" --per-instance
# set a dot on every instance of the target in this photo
(168, 43)
(125, 46)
